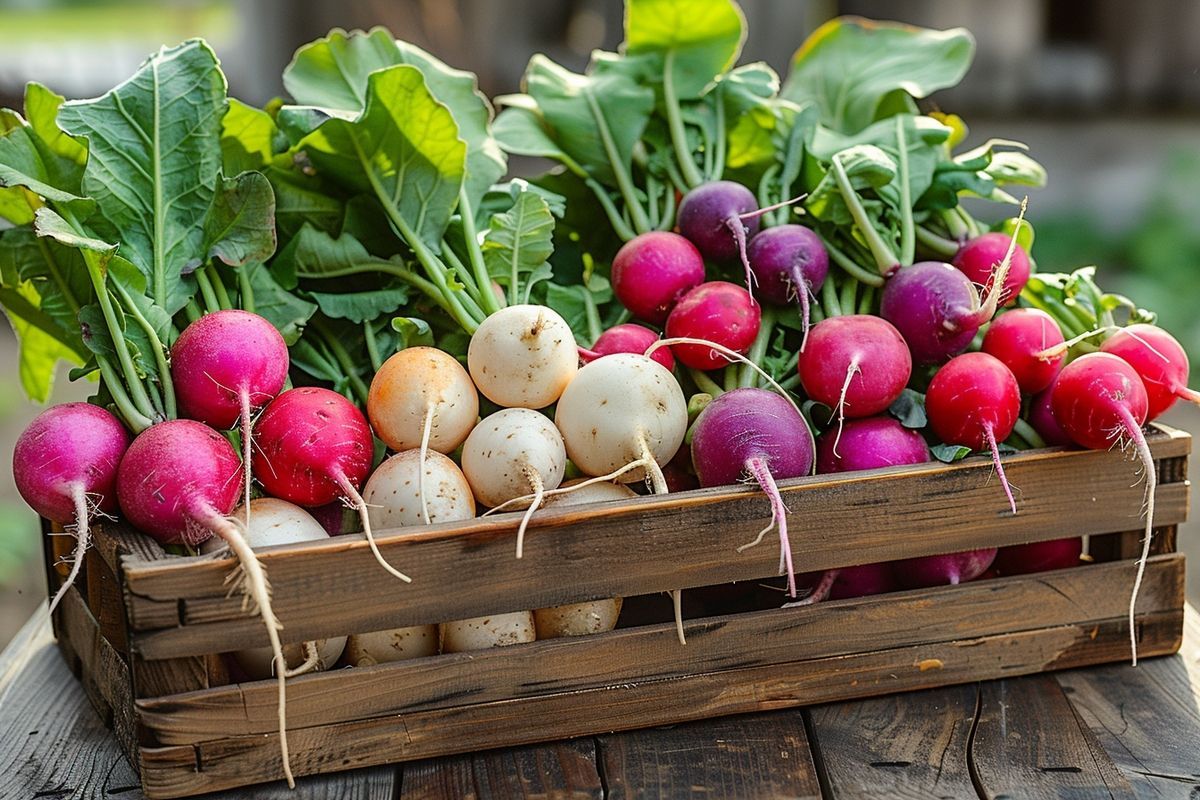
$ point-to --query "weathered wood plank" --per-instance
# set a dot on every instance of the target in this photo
(637, 547)
(749, 756)
(1148, 718)
(565, 770)
(1028, 745)
(911, 746)
(1079, 595)
(172, 770)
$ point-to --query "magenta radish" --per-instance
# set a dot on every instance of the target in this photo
(951, 569)
(847, 583)
(1022, 559)
(718, 312)
(1101, 401)
(973, 401)
(1160, 361)
(1041, 418)
(978, 259)
(65, 466)
(857, 365)
(719, 218)
(628, 338)
(522, 356)
(223, 367)
(652, 271)
(790, 264)
(870, 443)
(313, 447)
(178, 482)
(1020, 339)
(757, 434)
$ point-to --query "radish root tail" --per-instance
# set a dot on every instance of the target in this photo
(738, 229)
(539, 493)
(610, 477)
(992, 295)
(1143, 450)
(677, 603)
(766, 481)
(841, 403)
(820, 592)
(247, 440)
(426, 428)
(802, 289)
(82, 539)
(360, 505)
(312, 658)
(991, 440)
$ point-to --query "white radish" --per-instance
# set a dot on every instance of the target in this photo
(494, 630)
(523, 356)
(301, 658)
(398, 644)
(396, 498)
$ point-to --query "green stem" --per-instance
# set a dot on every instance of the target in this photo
(848, 299)
(247, 291)
(850, 268)
(705, 383)
(719, 146)
(652, 190)
(192, 311)
(866, 302)
(206, 291)
(829, 300)
(676, 179)
(460, 271)
(938, 245)
(1026, 432)
(387, 268)
(955, 225)
(343, 358)
(214, 275)
(675, 125)
(757, 350)
(764, 194)
(907, 239)
(619, 226)
(730, 376)
(620, 169)
(595, 326)
(667, 219)
(483, 281)
(791, 382)
(885, 259)
(135, 419)
(160, 353)
(372, 346)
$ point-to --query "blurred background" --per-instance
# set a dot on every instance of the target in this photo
(1105, 92)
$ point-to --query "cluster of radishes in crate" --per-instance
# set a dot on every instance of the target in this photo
(724, 279)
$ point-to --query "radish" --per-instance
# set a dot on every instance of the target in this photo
(847, 582)
(178, 482)
(951, 569)
(1020, 339)
(396, 492)
(979, 257)
(422, 398)
(716, 311)
(974, 401)
(719, 217)
(1041, 417)
(870, 443)
(628, 338)
(652, 271)
(757, 434)
(398, 644)
(522, 356)
(790, 264)
(314, 447)
(480, 633)
(1160, 361)
(1022, 559)
(512, 453)
(841, 349)
(1100, 401)
(65, 468)
(223, 367)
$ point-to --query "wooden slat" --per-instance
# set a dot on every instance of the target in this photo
(172, 770)
(1079, 595)
(565, 770)
(638, 547)
(744, 757)
(1147, 718)
(911, 746)
(1028, 743)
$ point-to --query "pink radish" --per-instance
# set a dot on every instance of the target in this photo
(951, 569)
(847, 583)
(1022, 559)
(757, 434)
(974, 401)
(65, 466)
(1019, 338)
(1100, 401)
(718, 312)
(790, 264)
(223, 367)
(978, 258)
(719, 217)
(1041, 417)
(1160, 361)
(314, 447)
(870, 443)
(178, 482)
(628, 338)
(652, 271)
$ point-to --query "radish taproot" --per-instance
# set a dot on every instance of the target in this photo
(1159, 359)
(627, 338)
(790, 264)
(65, 467)
(1025, 340)
(716, 311)
(720, 217)
(313, 447)
(652, 271)
(523, 356)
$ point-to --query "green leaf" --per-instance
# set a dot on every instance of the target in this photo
(300, 200)
(55, 273)
(572, 303)
(285, 310)
(850, 65)
(867, 167)
(519, 240)
(50, 224)
(519, 130)
(40, 351)
(154, 163)
(413, 332)
(1012, 167)
(17, 205)
(949, 453)
(247, 138)
(37, 154)
(909, 409)
(361, 307)
(240, 226)
(313, 253)
(696, 39)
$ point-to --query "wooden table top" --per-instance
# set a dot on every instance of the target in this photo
(1110, 731)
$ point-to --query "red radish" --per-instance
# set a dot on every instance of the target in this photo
(757, 434)
(628, 338)
(178, 482)
(1041, 417)
(974, 401)
(65, 465)
(652, 271)
(716, 311)
(870, 443)
(1022, 559)
(1018, 338)
(1160, 361)
(314, 447)
(848, 582)
(951, 569)
(1100, 401)
(790, 264)
(719, 217)
(857, 365)
(223, 367)
(979, 257)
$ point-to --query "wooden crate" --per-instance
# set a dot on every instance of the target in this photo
(143, 630)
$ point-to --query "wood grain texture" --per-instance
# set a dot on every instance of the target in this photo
(172, 770)
(556, 771)
(1079, 595)
(179, 606)
(910, 746)
(1028, 745)
(739, 758)
(1147, 718)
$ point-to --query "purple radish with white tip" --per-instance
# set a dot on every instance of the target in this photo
(719, 217)
(790, 264)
